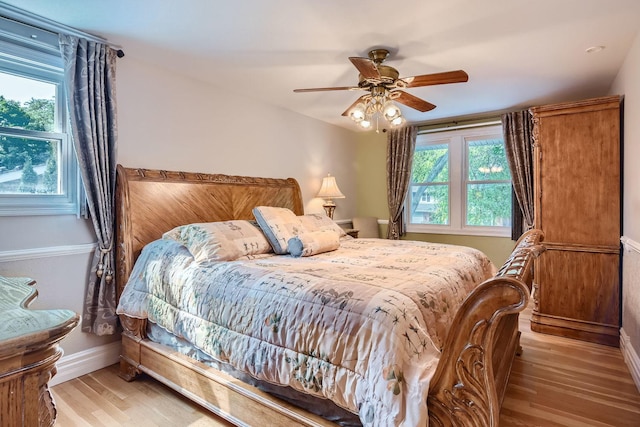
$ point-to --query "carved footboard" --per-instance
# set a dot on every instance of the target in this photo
(473, 372)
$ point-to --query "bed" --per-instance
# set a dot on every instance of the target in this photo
(473, 351)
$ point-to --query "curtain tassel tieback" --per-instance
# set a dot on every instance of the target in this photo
(103, 269)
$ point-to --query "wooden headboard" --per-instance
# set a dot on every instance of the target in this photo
(151, 202)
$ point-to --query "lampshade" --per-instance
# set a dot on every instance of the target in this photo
(329, 189)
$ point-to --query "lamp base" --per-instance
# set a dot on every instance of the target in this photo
(329, 208)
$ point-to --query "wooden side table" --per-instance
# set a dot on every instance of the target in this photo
(28, 353)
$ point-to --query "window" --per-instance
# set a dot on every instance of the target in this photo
(38, 170)
(460, 183)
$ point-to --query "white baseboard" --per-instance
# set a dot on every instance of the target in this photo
(630, 356)
(85, 362)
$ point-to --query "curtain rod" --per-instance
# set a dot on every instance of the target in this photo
(50, 25)
(454, 125)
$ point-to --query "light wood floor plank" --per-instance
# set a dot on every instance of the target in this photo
(557, 382)
(564, 382)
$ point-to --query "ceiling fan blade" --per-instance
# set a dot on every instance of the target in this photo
(361, 99)
(366, 67)
(325, 89)
(457, 76)
(412, 101)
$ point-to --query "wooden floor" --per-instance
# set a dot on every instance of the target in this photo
(556, 382)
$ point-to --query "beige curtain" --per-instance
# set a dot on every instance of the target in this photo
(401, 144)
(518, 140)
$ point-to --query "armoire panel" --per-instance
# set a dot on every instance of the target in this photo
(579, 285)
(580, 178)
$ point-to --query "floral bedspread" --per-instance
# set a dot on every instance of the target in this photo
(362, 325)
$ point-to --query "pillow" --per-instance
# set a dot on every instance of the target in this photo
(279, 225)
(321, 222)
(220, 241)
(314, 242)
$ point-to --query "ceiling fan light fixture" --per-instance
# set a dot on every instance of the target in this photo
(365, 124)
(357, 113)
(397, 122)
(391, 111)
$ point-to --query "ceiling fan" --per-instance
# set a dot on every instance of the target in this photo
(384, 86)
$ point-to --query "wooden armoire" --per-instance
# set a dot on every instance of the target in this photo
(577, 204)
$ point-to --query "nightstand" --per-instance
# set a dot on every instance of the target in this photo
(28, 353)
(353, 233)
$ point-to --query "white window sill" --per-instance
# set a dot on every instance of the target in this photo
(475, 231)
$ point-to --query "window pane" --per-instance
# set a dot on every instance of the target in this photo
(38, 169)
(431, 164)
(489, 205)
(29, 165)
(487, 161)
(26, 103)
(429, 204)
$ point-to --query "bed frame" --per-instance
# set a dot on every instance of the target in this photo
(471, 376)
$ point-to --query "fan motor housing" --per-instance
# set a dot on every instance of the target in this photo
(387, 75)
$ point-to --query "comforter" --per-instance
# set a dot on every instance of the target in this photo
(362, 326)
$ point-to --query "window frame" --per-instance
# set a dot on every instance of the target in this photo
(34, 60)
(457, 140)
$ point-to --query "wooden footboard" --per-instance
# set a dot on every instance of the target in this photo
(472, 374)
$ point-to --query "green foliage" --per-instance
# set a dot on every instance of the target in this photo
(488, 161)
(29, 179)
(41, 114)
(19, 152)
(12, 114)
(431, 165)
(488, 204)
(50, 178)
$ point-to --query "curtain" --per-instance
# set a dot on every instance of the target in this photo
(401, 144)
(89, 69)
(518, 140)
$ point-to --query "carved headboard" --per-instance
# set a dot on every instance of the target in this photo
(151, 202)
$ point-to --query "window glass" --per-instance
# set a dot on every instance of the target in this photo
(28, 165)
(488, 185)
(38, 168)
(430, 185)
(460, 183)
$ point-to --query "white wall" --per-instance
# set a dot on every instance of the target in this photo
(171, 122)
(627, 83)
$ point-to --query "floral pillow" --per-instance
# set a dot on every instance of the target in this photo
(279, 225)
(221, 241)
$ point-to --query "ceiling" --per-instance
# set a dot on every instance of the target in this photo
(517, 53)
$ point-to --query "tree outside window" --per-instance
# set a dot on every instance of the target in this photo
(28, 164)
